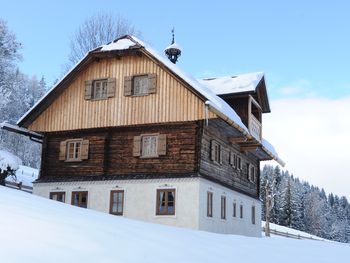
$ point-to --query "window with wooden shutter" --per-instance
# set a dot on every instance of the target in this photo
(140, 85)
(88, 89)
(128, 86)
(137, 146)
(111, 87)
(162, 144)
(149, 146)
(62, 154)
(152, 82)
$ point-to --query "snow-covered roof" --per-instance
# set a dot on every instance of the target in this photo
(271, 151)
(235, 84)
(243, 82)
(174, 45)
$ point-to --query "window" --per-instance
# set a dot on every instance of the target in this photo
(252, 175)
(99, 89)
(80, 199)
(149, 145)
(241, 211)
(209, 204)
(233, 159)
(223, 207)
(234, 210)
(117, 202)
(216, 154)
(140, 85)
(58, 196)
(165, 202)
(253, 215)
(74, 150)
(239, 163)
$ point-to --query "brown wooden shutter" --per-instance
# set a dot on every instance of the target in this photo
(137, 146)
(85, 150)
(212, 150)
(162, 144)
(63, 148)
(88, 89)
(152, 83)
(128, 86)
(111, 87)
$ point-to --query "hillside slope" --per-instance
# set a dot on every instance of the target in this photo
(34, 229)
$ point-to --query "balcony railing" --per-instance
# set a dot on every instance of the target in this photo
(255, 128)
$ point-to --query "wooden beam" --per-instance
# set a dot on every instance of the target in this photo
(238, 139)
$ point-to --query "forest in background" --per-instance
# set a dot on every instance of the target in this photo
(305, 207)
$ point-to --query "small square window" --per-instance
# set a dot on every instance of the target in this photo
(149, 145)
(74, 150)
(165, 202)
(140, 85)
(99, 89)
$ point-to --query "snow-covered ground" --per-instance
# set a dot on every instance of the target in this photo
(290, 231)
(34, 229)
(24, 174)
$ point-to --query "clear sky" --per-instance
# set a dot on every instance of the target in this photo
(302, 46)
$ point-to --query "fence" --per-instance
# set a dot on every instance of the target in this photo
(19, 186)
(286, 234)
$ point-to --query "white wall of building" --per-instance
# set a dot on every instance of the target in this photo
(139, 198)
(190, 202)
(230, 225)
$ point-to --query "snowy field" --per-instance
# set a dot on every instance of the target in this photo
(34, 229)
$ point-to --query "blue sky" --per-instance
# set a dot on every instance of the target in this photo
(302, 46)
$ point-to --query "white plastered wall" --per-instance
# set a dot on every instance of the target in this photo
(139, 198)
(230, 225)
(190, 202)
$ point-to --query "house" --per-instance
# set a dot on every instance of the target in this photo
(126, 132)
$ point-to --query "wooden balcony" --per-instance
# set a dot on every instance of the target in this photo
(255, 128)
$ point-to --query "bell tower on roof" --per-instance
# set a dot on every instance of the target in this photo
(173, 51)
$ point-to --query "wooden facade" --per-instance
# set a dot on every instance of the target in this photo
(171, 102)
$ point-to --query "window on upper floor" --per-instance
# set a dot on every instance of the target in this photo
(233, 160)
(165, 202)
(140, 85)
(58, 196)
(239, 163)
(149, 145)
(74, 150)
(252, 173)
(215, 152)
(98, 89)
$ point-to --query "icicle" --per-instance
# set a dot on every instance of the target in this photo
(206, 114)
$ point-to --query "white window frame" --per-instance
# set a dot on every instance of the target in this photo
(76, 155)
(143, 153)
(103, 89)
(141, 92)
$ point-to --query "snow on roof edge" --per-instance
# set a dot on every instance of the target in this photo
(51, 89)
(216, 102)
(268, 147)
